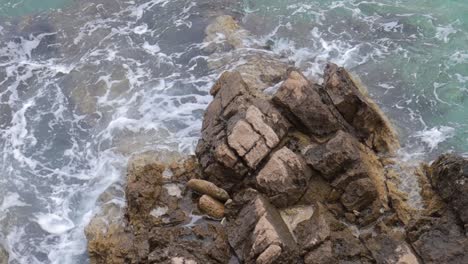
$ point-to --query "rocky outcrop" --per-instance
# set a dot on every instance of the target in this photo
(161, 223)
(302, 173)
(449, 177)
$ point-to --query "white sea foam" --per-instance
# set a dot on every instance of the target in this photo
(436, 135)
(12, 200)
(54, 224)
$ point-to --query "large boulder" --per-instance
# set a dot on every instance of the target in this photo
(303, 104)
(439, 239)
(449, 177)
(284, 178)
(239, 130)
(257, 232)
(356, 174)
(370, 124)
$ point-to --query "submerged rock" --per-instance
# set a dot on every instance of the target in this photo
(4, 256)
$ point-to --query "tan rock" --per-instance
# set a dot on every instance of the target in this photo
(256, 228)
(270, 255)
(371, 125)
(208, 188)
(302, 101)
(256, 119)
(243, 138)
(284, 178)
(211, 207)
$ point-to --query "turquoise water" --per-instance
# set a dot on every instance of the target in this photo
(83, 84)
(26, 7)
(412, 56)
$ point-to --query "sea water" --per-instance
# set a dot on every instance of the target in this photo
(84, 84)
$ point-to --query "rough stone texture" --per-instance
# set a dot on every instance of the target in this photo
(312, 178)
(439, 239)
(239, 131)
(359, 111)
(355, 173)
(387, 250)
(206, 187)
(284, 178)
(449, 177)
(211, 207)
(261, 71)
(159, 226)
(303, 103)
(255, 228)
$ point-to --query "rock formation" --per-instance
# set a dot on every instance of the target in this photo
(306, 175)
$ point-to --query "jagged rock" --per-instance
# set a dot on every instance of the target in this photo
(211, 207)
(113, 246)
(356, 174)
(144, 186)
(388, 250)
(160, 224)
(313, 231)
(238, 132)
(209, 188)
(358, 195)
(256, 230)
(284, 178)
(322, 255)
(302, 101)
(206, 243)
(439, 239)
(449, 177)
(261, 71)
(371, 125)
(335, 157)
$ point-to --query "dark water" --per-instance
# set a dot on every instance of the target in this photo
(83, 87)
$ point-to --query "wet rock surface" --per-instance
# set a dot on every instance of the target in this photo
(304, 175)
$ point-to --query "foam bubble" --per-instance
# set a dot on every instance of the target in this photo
(54, 224)
(12, 200)
(436, 135)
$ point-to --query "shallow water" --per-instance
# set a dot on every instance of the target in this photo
(83, 88)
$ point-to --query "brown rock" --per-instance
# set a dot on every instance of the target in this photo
(439, 239)
(284, 178)
(322, 255)
(239, 131)
(255, 228)
(211, 207)
(336, 156)
(208, 188)
(387, 251)
(371, 125)
(449, 177)
(144, 185)
(356, 173)
(301, 99)
(359, 194)
(270, 255)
